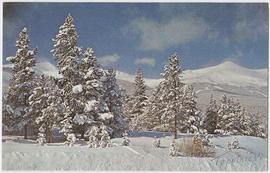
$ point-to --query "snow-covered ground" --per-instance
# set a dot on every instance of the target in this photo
(20, 154)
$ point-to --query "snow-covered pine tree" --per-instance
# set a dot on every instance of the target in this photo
(244, 122)
(233, 126)
(228, 121)
(230, 125)
(93, 137)
(37, 102)
(138, 101)
(223, 110)
(89, 92)
(6, 112)
(114, 98)
(151, 118)
(46, 104)
(20, 84)
(42, 135)
(172, 93)
(210, 120)
(257, 127)
(67, 52)
(190, 121)
(173, 150)
(226, 116)
(105, 138)
(232, 119)
(126, 141)
(95, 87)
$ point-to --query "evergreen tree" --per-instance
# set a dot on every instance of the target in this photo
(105, 138)
(20, 84)
(93, 137)
(67, 52)
(89, 93)
(257, 127)
(46, 106)
(232, 119)
(126, 141)
(173, 104)
(114, 99)
(173, 149)
(172, 93)
(210, 121)
(223, 110)
(151, 118)
(190, 121)
(228, 115)
(245, 122)
(137, 102)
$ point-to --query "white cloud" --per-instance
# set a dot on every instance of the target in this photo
(248, 28)
(47, 68)
(159, 36)
(110, 59)
(148, 61)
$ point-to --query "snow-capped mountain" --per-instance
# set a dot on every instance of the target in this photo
(227, 73)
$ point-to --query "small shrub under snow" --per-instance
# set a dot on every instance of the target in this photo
(93, 140)
(234, 144)
(195, 147)
(172, 150)
(156, 142)
(41, 136)
(105, 138)
(126, 141)
(71, 139)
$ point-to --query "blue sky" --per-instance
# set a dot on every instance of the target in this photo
(125, 35)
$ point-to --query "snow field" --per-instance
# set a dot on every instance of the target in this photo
(140, 155)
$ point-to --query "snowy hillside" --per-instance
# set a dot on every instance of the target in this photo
(20, 154)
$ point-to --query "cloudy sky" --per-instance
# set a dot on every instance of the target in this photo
(125, 35)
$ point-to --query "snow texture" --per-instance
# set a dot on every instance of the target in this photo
(77, 89)
(20, 154)
(105, 116)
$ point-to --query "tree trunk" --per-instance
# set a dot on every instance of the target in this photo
(25, 131)
(82, 134)
(175, 129)
(49, 136)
